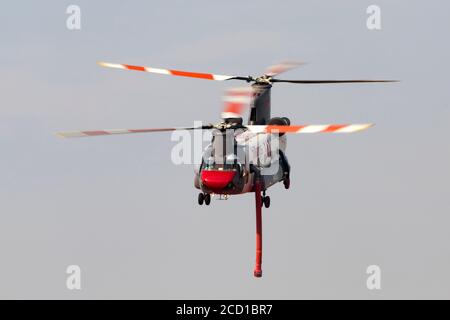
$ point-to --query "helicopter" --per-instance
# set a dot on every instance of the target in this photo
(242, 158)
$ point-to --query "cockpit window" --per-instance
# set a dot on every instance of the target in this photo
(222, 153)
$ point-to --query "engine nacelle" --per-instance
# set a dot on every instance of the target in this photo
(279, 121)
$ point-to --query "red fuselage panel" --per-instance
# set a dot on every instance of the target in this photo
(217, 180)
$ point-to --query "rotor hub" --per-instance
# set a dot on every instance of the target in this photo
(265, 79)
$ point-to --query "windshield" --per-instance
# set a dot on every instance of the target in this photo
(222, 153)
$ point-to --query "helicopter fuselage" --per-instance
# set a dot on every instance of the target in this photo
(235, 156)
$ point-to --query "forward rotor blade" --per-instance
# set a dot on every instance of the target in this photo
(330, 81)
(318, 128)
(207, 76)
(80, 134)
(282, 67)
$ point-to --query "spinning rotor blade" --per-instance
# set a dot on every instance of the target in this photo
(236, 100)
(330, 81)
(318, 128)
(281, 67)
(79, 134)
(270, 72)
(207, 76)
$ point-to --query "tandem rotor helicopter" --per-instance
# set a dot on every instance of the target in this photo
(223, 170)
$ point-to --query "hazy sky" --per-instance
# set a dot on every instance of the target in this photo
(118, 207)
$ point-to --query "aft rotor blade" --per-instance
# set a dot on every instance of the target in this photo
(282, 67)
(207, 76)
(315, 128)
(236, 100)
(330, 81)
(94, 133)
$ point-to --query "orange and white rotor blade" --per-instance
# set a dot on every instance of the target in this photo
(236, 100)
(282, 67)
(314, 128)
(207, 76)
(94, 133)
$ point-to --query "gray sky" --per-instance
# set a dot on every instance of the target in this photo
(118, 207)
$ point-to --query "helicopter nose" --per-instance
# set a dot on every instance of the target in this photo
(217, 180)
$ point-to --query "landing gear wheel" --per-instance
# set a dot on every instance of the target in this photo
(207, 199)
(287, 182)
(201, 198)
(266, 200)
